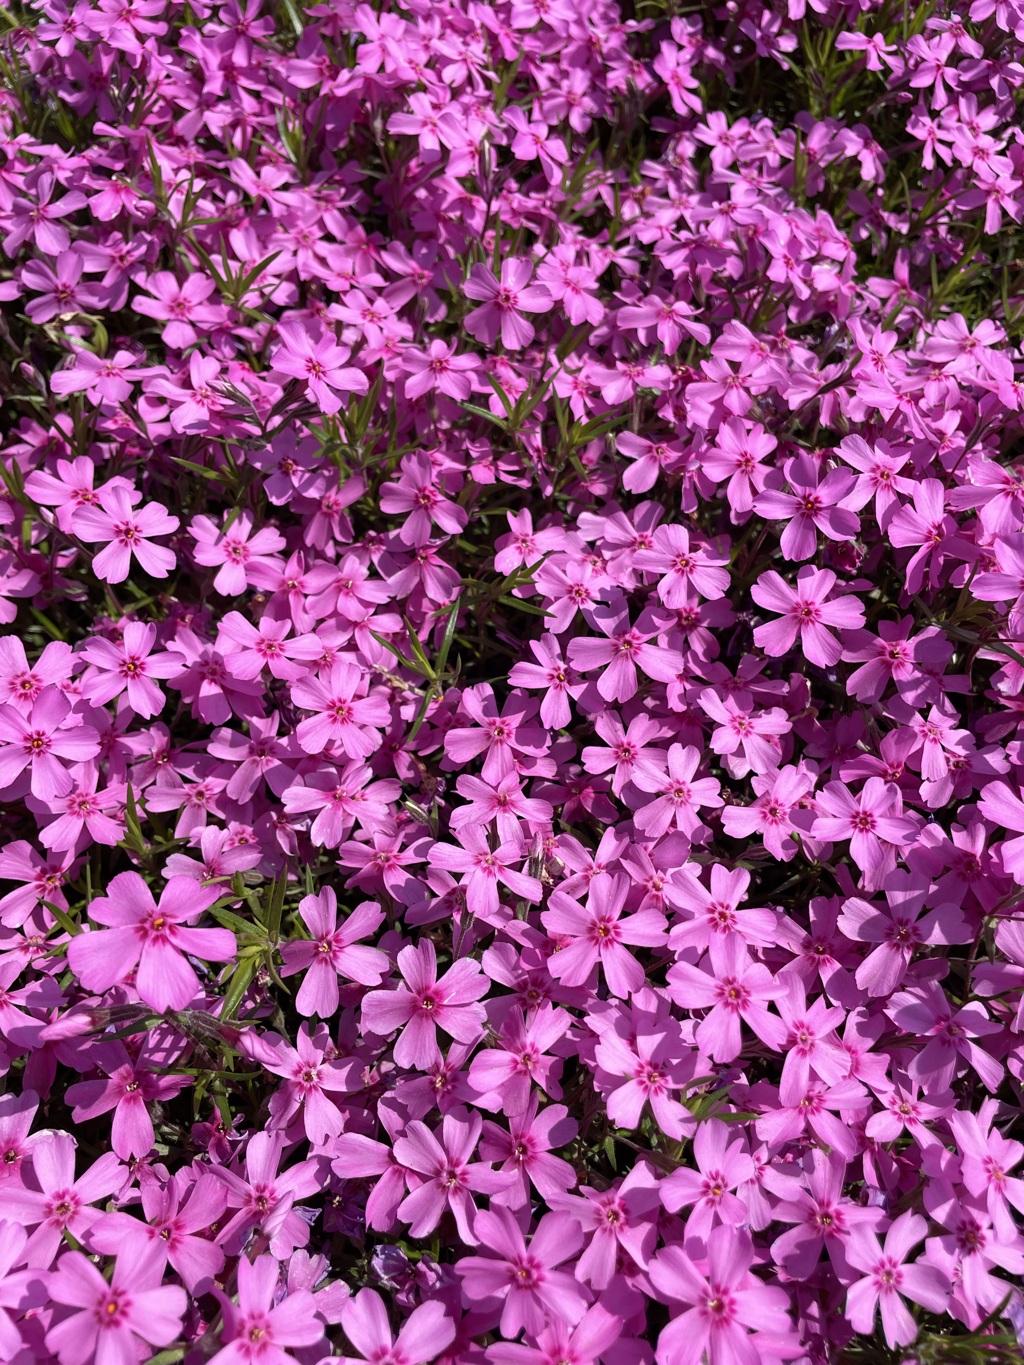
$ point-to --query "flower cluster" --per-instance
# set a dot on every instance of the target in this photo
(511, 682)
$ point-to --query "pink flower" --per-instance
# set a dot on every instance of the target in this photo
(176, 1216)
(426, 1333)
(504, 804)
(331, 952)
(238, 550)
(427, 1004)
(899, 930)
(483, 868)
(131, 1086)
(873, 822)
(619, 1222)
(736, 990)
(1001, 804)
(129, 664)
(596, 935)
(525, 1147)
(677, 795)
(312, 1073)
(183, 306)
(61, 1203)
(503, 1076)
(523, 1279)
(723, 1306)
(342, 800)
(804, 614)
(891, 1278)
(596, 1332)
(812, 504)
(113, 1318)
(106, 379)
(419, 501)
(38, 218)
(650, 1068)
(346, 720)
(438, 367)
(626, 650)
(321, 364)
(823, 1219)
(738, 456)
(445, 1176)
(685, 572)
(128, 532)
(504, 303)
(257, 1329)
(40, 740)
(265, 1197)
(150, 938)
(723, 1163)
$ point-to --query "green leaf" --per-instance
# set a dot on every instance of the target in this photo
(241, 980)
(63, 919)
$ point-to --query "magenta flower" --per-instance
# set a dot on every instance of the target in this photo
(128, 533)
(504, 303)
(523, 1279)
(113, 1319)
(426, 1004)
(150, 940)
(804, 613)
(331, 952)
